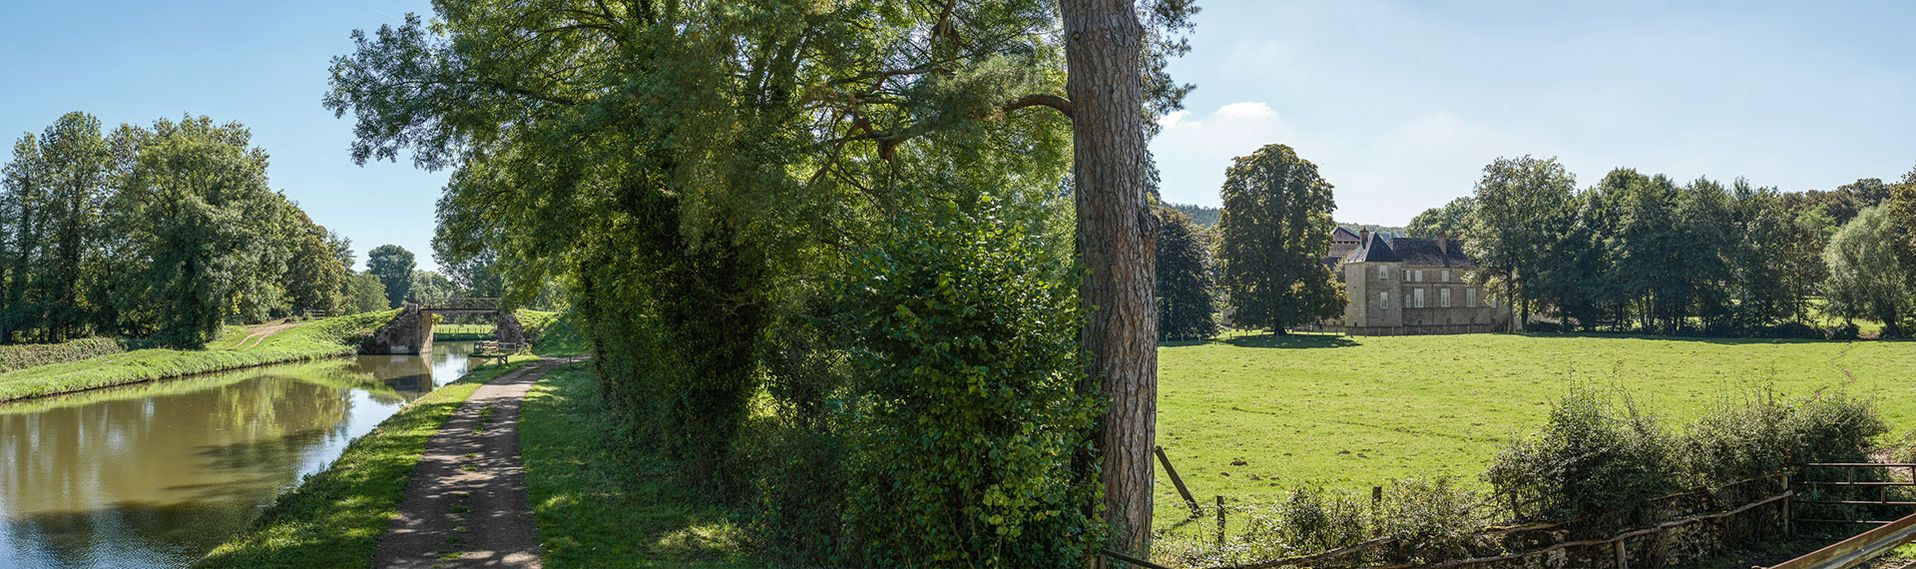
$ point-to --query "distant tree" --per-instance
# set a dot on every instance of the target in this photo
(1865, 192)
(430, 287)
(1201, 215)
(1187, 305)
(1865, 278)
(1760, 259)
(365, 293)
(1274, 231)
(393, 265)
(193, 205)
(1522, 206)
(315, 279)
(1704, 242)
(1453, 219)
(19, 205)
(342, 247)
(76, 160)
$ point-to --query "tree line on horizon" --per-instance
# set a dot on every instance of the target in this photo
(164, 233)
(1633, 253)
(161, 233)
(1643, 253)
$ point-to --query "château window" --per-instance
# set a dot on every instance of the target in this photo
(1383, 300)
(1446, 275)
(1470, 297)
(1416, 298)
(1383, 272)
(1443, 297)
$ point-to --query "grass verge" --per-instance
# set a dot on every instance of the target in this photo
(602, 502)
(335, 518)
(235, 348)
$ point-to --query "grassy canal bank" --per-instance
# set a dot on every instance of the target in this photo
(335, 518)
(235, 348)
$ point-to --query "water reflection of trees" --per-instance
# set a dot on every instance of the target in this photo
(166, 470)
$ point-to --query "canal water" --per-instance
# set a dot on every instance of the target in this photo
(156, 475)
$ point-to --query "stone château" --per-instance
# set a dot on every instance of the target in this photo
(1409, 285)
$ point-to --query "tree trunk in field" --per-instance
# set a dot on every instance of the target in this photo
(1117, 241)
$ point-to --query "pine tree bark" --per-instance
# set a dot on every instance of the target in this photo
(1116, 237)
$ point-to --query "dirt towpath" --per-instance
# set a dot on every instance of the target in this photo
(466, 505)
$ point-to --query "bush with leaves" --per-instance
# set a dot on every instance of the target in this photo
(1598, 461)
(965, 416)
(1768, 433)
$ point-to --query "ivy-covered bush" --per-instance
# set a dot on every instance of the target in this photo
(963, 415)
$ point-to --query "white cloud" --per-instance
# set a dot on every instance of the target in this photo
(1247, 110)
(1193, 151)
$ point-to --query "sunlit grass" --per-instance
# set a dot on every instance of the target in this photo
(305, 341)
(602, 502)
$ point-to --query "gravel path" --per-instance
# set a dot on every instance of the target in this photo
(467, 504)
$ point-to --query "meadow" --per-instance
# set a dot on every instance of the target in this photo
(1249, 417)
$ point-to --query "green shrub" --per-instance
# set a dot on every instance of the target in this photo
(964, 417)
(1430, 520)
(1767, 434)
(1597, 462)
(31, 355)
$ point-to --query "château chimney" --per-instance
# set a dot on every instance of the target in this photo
(1363, 238)
(1443, 244)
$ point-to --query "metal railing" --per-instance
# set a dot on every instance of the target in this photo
(1859, 549)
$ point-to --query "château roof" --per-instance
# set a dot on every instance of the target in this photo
(1411, 251)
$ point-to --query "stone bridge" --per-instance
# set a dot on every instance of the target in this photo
(410, 333)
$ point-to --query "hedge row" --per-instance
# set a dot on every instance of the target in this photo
(33, 355)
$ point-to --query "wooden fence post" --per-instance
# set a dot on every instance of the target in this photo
(1789, 519)
(1189, 500)
(1220, 521)
(1623, 557)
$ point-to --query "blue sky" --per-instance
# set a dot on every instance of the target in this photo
(260, 63)
(1400, 104)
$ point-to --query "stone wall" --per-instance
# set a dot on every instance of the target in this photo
(408, 334)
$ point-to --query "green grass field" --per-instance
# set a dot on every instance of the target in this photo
(1348, 413)
(235, 348)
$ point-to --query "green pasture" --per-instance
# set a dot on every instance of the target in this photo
(1251, 416)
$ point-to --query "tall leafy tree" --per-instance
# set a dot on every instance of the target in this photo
(1704, 241)
(1522, 204)
(314, 279)
(193, 199)
(76, 159)
(394, 266)
(1187, 303)
(1865, 278)
(24, 199)
(1273, 233)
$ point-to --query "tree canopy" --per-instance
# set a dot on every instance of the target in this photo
(162, 232)
(1273, 235)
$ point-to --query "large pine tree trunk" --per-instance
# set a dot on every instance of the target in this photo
(1117, 241)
